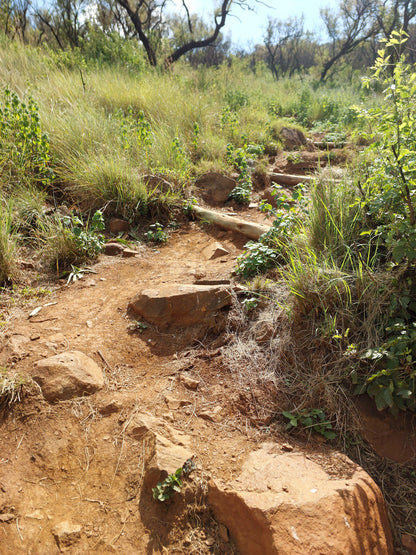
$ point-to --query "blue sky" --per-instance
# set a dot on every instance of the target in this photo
(247, 27)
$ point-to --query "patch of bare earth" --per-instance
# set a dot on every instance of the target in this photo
(74, 474)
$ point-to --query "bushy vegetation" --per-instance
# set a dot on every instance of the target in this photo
(347, 250)
(78, 136)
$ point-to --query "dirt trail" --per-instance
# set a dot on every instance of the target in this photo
(71, 461)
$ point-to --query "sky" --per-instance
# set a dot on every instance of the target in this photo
(247, 27)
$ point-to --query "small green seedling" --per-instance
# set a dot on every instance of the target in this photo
(311, 419)
(173, 483)
(156, 233)
(166, 489)
(137, 326)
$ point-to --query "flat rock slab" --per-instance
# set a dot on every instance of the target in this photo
(287, 504)
(180, 305)
(67, 375)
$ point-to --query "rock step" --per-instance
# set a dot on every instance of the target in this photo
(286, 503)
(181, 305)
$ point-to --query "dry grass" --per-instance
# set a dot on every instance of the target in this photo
(297, 368)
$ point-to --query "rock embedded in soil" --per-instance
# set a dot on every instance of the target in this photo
(213, 251)
(67, 375)
(180, 305)
(129, 253)
(113, 249)
(189, 383)
(66, 534)
(292, 138)
(215, 187)
(288, 504)
(166, 449)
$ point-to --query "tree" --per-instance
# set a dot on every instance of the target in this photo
(286, 45)
(64, 20)
(14, 18)
(355, 23)
(395, 14)
(148, 19)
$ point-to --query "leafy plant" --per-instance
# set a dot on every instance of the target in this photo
(87, 240)
(238, 158)
(166, 489)
(257, 258)
(188, 206)
(68, 241)
(311, 419)
(388, 202)
(156, 233)
(173, 482)
(24, 147)
(137, 326)
(135, 130)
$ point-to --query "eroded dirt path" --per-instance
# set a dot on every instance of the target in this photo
(72, 461)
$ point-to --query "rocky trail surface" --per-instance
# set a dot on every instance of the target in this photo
(132, 386)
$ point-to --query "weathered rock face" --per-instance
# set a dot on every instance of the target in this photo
(66, 534)
(392, 437)
(287, 504)
(180, 305)
(292, 138)
(70, 374)
(215, 187)
(166, 449)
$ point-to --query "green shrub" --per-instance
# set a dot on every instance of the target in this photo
(24, 148)
(8, 244)
(68, 241)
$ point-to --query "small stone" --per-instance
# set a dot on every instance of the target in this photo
(66, 534)
(7, 517)
(224, 534)
(189, 383)
(113, 249)
(36, 515)
(111, 407)
(209, 541)
(286, 447)
(174, 403)
(213, 251)
(34, 337)
(88, 323)
(409, 543)
(129, 253)
(211, 416)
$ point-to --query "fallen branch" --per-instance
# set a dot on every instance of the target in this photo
(251, 230)
(287, 179)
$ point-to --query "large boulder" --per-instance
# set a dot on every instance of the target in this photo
(67, 375)
(292, 138)
(287, 504)
(180, 305)
(214, 187)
